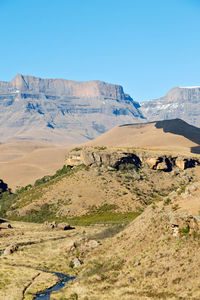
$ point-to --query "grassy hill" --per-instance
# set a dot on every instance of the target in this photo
(94, 194)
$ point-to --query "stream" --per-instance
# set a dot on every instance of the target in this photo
(63, 279)
(45, 294)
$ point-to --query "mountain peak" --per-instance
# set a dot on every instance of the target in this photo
(19, 82)
(179, 102)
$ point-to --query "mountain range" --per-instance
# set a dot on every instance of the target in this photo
(62, 111)
(69, 112)
(180, 102)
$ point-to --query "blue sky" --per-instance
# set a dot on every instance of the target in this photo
(147, 46)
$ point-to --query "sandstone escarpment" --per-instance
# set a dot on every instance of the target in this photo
(113, 159)
(122, 159)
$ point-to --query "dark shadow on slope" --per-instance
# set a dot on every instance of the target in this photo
(180, 127)
(2, 221)
(195, 150)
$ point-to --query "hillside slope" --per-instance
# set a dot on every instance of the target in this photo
(169, 135)
(145, 261)
(21, 163)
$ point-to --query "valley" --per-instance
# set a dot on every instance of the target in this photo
(133, 214)
(99, 150)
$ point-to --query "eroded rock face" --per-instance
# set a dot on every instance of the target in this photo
(112, 159)
(152, 162)
(68, 88)
(126, 160)
(184, 163)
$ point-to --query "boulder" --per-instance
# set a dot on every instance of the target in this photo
(7, 225)
(82, 241)
(64, 226)
(162, 166)
(185, 222)
(53, 225)
(152, 162)
(70, 247)
(76, 262)
(92, 244)
(181, 163)
(10, 249)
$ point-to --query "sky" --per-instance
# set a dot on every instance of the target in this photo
(147, 46)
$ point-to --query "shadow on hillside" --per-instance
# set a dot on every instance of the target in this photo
(2, 221)
(180, 127)
(195, 150)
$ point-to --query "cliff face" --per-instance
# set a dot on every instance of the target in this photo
(62, 111)
(68, 88)
(180, 102)
(128, 160)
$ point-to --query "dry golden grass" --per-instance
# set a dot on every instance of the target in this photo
(40, 248)
(144, 261)
(155, 265)
(82, 191)
(145, 136)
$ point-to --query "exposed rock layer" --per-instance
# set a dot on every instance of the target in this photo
(62, 111)
(124, 160)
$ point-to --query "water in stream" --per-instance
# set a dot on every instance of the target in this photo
(63, 279)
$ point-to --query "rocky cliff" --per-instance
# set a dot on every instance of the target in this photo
(180, 102)
(62, 111)
(117, 159)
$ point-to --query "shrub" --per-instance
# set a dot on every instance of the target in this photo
(77, 149)
(185, 230)
(167, 201)
(100, 147)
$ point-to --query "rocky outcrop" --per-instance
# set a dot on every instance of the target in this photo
(98, 157)
(127, 160)
(185, 163)
(76, 263)
(59, 226)
(10, 249)
(183, 224)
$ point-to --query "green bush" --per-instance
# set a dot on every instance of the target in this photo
(185, 230)
(6, 200)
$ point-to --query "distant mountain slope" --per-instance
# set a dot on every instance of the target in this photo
(180, 102)
(62, 111)
(175, 135)
(22, 163)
